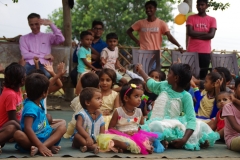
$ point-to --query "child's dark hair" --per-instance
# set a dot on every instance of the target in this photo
(37, 71)
(162, 75)
(225, 71)
(96, 22)
(86, 95)
(154, 70)
(127, 90)
(136, 81)
(90, 79)
(237, 82)
(205, 1)
(223, 92)
(84, 33)
(36, 84)
(214, 76)
(183, 71)
(153, 3)
(111, 36)
(111, 73)
(14, 75)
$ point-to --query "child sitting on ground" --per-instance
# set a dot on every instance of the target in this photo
(90, 122)
(124, 133)
(11, 102)
(217, 124)
(206, 107)
(231, 114)
(54, 85)
(109, 56)
(37, 135)
(89, 79)
(148, 97)
(110, 97)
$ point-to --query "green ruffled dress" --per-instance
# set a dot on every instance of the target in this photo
(173, 113)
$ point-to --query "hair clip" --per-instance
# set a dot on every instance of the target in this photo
(132, 86)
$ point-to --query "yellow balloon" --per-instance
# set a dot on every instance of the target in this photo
(180, 19)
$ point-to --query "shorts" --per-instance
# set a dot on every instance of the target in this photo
(235, 144)
(119, 77)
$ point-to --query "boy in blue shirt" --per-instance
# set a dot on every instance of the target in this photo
(37, 135)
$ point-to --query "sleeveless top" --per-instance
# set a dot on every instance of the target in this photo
(220, 121)
(128, 123)
(92, 127)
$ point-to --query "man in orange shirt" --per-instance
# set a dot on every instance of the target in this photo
(150, 30)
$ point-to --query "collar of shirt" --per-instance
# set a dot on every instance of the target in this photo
(99, 45)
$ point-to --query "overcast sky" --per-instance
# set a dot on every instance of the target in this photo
(13, 21)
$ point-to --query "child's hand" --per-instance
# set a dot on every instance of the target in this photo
(96, 69)
(178, 143)
(61, 69)
(178, 61)
(22, 62)
(138, 67)
(233, 75)
(122, 69)
(218, 83)
(89, 141)
(45, 151)
(192, 83)
(49, 68)
(36, 60)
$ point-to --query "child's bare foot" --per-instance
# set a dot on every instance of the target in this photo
(83, 149)
(55, 149)
(204, 145)
(34, 151)
(120, 150)
(96, 150)
(165, 144)
(151, 150)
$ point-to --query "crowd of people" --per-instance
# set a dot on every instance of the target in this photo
(149, 113)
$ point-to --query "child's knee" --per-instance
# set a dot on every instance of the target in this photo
(62, 129)
(18, 135)
(14, 123)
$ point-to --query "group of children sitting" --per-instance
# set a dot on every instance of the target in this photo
(145, 115)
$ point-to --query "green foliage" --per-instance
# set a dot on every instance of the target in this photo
(117, 16)
(15, 1)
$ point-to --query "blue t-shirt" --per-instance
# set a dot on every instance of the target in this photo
(83, 53)
(40, 125)
(98, 46)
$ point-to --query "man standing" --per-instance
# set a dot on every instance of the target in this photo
(201, 29)
(37, 45)
(150, 30)
(98, 44)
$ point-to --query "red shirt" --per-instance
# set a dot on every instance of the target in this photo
(220, 121)
(200, 24)
(9, 101)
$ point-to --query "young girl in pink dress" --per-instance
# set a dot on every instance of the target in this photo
(124, 133)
